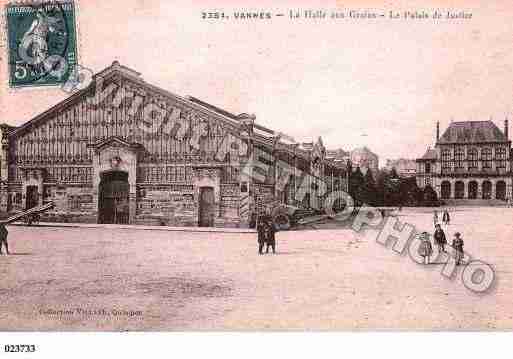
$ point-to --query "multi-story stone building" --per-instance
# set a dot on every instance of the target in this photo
(125, 151)
(470, 161)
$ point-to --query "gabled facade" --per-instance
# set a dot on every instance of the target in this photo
(125, 151)
(471, 161)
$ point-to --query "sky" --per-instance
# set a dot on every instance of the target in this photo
(381, 83)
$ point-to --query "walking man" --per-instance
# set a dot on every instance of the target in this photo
(270, 239)
(440, 239)
(457, 244)
(446, 218)
(435, 218)
(261, 233)
(3, 238)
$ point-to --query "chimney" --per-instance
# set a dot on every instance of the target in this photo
(506, 127)
(437, 131)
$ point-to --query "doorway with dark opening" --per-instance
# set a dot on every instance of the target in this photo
(32, 197)
(113, 198)
(206, 207)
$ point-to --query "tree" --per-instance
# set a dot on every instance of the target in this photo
(355, 184)
(381, 178)
(430, 197)
(410, 193)
(369, 193)
(392, 190)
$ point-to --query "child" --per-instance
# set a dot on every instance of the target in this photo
(425, 249)
(457, 244)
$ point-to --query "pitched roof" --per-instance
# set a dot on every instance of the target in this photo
(472, 132)
(429, 155)
(221, 115)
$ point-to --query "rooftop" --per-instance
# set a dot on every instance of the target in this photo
(429, 155)
(472, 132)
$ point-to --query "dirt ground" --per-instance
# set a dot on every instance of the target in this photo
(332, 279)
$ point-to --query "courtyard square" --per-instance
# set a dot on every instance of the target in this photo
(332, 279)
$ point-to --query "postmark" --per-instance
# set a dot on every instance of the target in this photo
(42, 40)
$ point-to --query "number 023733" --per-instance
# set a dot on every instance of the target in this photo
(19, 348)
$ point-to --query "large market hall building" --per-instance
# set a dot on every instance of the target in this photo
(125, 151)
(470, 164)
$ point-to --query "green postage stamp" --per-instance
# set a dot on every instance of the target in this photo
(42, 42)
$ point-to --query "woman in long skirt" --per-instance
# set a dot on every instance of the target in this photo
(425, 248)
(440, 239)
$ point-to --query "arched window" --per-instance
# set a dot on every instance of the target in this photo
(500, 190)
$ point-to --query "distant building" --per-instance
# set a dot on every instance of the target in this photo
(470, 161)
(338, 155)
(365, 159)
(426, 169)
(405, 168)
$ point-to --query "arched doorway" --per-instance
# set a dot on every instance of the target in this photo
(459, 190)
(113, 197)
(446, 190)
(500, 190)
(472, 190)
(487, 190)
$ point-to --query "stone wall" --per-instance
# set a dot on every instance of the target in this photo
(170, 205)
(73, 203)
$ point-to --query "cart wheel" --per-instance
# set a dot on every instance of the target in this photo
(282, 222)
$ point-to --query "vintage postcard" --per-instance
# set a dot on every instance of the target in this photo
(255, 166)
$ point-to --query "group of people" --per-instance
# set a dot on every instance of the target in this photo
(426, 249)
(446, 219)
(266, 231)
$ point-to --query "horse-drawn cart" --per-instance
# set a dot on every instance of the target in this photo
(30, 216)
